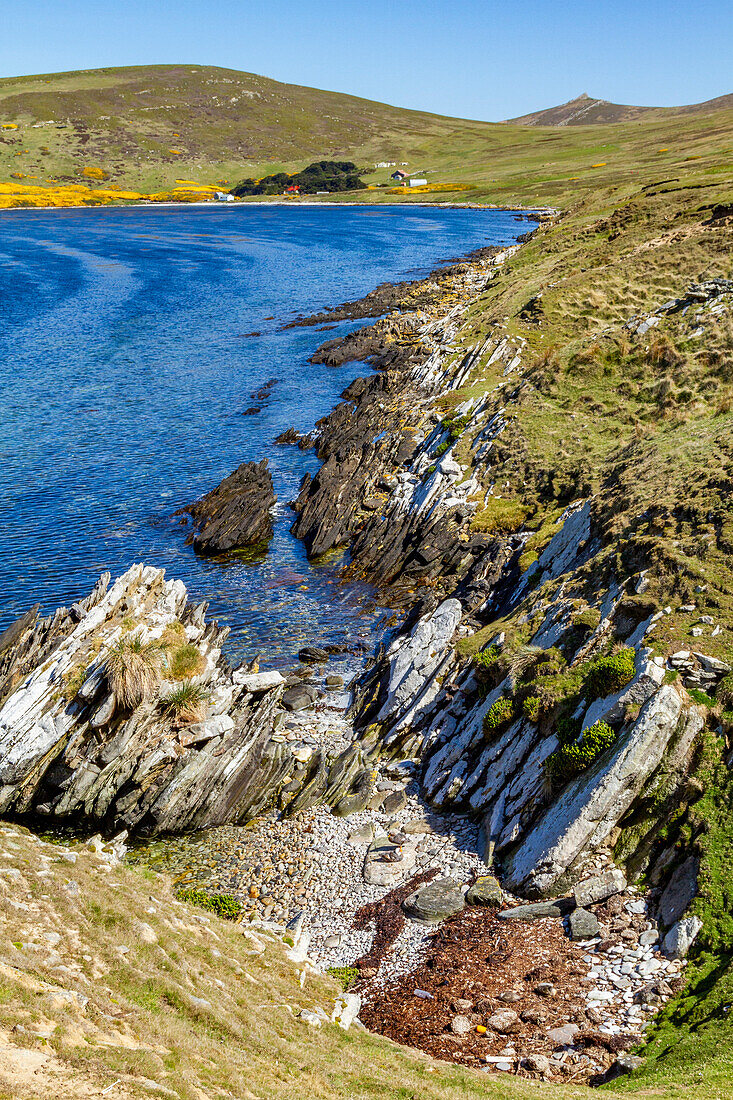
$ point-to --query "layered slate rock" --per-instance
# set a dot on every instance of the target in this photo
(237, 513)
(70, 750)
(589, 807)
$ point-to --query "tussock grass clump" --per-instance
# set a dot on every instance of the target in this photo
(133, 670)
(186, 662)
(523, 662)
(500, 517)
(174, 635)
(186, 705)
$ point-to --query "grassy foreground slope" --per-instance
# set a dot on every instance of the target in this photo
(111, 987)
(144, 128)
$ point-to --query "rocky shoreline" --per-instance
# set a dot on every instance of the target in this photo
(521, 721)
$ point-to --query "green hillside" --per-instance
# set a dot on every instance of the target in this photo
(145, 127)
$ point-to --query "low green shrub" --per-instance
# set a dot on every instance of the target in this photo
(605, 675)
(224, 905)
(456, 426)
(570, 759)
(346, 975)
(485, 661)
(531, 708)
(568, 729)
(441, 448)
(499, 714)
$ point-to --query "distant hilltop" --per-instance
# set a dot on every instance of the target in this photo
(584, 110)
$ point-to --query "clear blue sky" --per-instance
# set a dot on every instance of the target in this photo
(472, 58)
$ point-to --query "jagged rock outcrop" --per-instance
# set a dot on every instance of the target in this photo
(541, 836)
(199, 752)
(237, 513)
(380, 489)
(591, 806)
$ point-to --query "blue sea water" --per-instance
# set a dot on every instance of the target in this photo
(126, 371)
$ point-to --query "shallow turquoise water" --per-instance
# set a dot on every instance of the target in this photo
(125, 372)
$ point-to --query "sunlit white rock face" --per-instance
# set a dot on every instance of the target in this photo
(68, 750)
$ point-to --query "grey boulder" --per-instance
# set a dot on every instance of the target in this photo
(486, 890)
(583, 925)
(681, 937)
(434, 902)
(598, 888)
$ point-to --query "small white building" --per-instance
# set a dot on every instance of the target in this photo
(418, 183)
(224, 196)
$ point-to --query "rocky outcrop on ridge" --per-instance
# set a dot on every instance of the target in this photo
(237, 513)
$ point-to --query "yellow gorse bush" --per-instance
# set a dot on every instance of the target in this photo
(77, 194)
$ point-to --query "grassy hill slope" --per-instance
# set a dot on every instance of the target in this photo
(144, 128)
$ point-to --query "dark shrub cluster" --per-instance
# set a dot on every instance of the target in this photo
(322, 175)
(608, 674)
(573, 757)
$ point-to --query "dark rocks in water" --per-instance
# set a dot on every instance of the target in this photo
(311, 654)
(288, 437)
(252, 410)
(388, 297)
(264, 391)
(236, 514)
(362, 346)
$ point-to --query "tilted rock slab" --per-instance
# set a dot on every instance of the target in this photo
(68, 752)
(590, 806)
